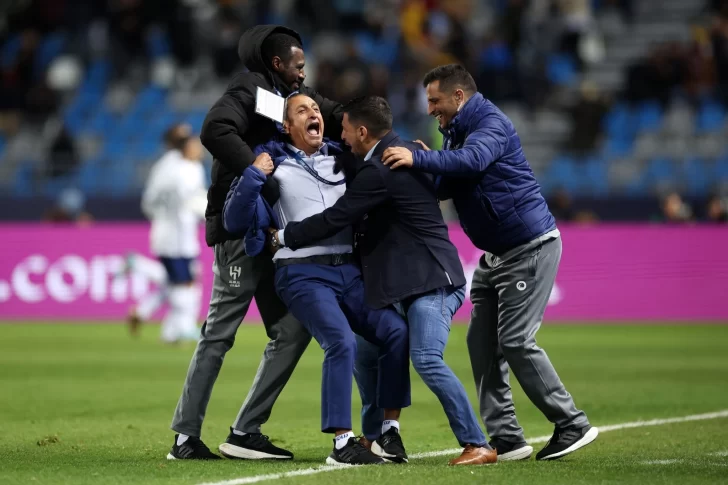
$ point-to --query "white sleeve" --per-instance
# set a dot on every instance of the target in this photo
(195, 196)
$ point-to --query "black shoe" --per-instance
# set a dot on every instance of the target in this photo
(354, 453)
(508, 451)
(390, 447)
(568, 440)
(192, 449)
(252, 446)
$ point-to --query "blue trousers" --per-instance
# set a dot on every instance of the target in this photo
(329, 302)
(429, 318)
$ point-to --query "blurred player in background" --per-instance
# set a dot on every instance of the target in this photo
(174, 200)
(154, 271)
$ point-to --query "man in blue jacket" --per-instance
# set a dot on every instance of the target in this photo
(321, 284)
(484, 170)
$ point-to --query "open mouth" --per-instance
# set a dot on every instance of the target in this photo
(438, 117)
(314, 128)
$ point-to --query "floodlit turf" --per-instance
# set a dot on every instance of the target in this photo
(85, 404)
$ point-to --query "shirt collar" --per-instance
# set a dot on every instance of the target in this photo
(323, 150)
(371, 152)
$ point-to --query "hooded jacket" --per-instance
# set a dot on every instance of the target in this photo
(232, 127)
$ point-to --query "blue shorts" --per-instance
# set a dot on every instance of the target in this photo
(179, 270)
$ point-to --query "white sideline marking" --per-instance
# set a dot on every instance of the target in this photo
(455, 451)
(661, 462)
(720, 453)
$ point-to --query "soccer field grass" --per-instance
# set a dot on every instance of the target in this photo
(85, 404)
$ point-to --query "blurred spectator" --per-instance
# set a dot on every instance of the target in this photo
(127, 25)
(655, 77)
(674, 209)
(228, 33)
(576, 16)
(717, 209)
(700, 68)
(719, 39)
(69, 208)
(63, 157)
(586, 119)
(560, 205)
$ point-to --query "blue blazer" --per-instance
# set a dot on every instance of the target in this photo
(246, 213)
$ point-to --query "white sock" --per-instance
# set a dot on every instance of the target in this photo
(149, 304)
(181, 438)
(239, 433)
(342, 440)
(181, 320)
(389, 423)
(191, 309)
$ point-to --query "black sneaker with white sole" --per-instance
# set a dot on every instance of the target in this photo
(390, 447)
(353, 453)
(508, 451)
(567, 440)
(252, 446)
(192, 449)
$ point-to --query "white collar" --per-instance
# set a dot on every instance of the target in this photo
(371, 152)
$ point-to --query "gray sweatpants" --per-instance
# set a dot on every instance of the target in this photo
(509, 295)
(238, 278)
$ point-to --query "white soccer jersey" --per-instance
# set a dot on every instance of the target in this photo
(174, 201)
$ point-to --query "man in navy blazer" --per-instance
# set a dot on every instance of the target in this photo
(407, 259)
(483, 169)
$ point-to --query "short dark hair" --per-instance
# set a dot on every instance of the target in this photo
(373, 112)
(279, 45)
(176, 136)
(451, 77)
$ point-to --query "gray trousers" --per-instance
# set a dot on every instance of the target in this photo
(238, 278)
(509, 295)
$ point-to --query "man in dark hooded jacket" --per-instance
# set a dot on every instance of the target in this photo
(274, 58)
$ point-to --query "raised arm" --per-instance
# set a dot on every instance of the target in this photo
(481, 148)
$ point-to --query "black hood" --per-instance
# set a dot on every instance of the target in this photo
(251, 42)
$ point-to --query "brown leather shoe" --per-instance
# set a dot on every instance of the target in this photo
(474, 455)
(365, 443)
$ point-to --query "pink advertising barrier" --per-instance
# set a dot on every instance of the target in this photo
(608, 272)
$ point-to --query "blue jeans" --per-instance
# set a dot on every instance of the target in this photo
(429, 318)
(329, 303)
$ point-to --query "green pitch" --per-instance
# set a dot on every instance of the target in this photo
(85, 404)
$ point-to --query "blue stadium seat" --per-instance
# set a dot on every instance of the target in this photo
(51, 47)
(595, 176)
(2, 146)
(383, 50)
(562, 172)
(497, 57)
(97, 77)
(561, 69)
(711, 117)
(618, 122)
(23, 184)
(648, 116)
(696, 176)
(617, 147)
(720, 170)
(195, 119)
(90, 177)
(661, 170)
(157, 43)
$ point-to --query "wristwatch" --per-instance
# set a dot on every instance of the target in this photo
(274, 240)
